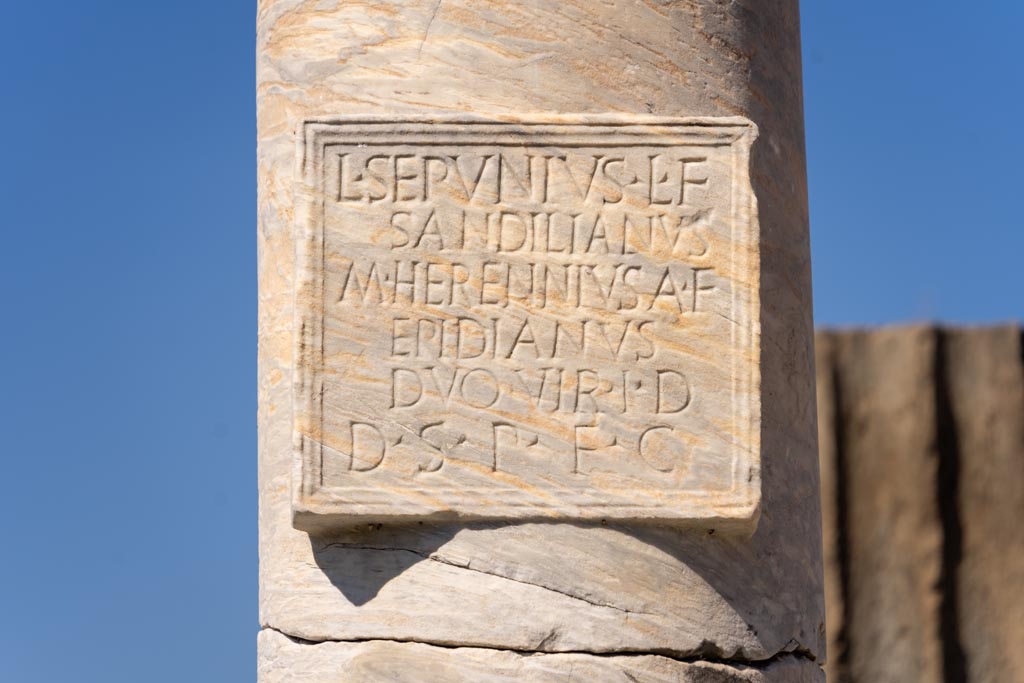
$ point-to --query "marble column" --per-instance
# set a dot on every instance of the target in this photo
(513, 542)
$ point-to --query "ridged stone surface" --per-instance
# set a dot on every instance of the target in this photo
(922, 432)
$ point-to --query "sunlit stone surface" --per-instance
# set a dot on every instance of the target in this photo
(489, 420)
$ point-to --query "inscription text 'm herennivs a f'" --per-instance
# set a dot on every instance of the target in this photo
(527, 320)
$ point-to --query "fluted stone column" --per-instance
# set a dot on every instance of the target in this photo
(536, 370)
(922, 448)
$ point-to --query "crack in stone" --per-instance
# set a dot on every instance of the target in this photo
(687, 659)
(441, 560)
(426, 32)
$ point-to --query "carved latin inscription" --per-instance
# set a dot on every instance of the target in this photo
(554, 318)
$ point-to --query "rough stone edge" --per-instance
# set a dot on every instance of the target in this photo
(282, 658)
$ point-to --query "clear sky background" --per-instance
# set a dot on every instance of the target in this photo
(128, 515)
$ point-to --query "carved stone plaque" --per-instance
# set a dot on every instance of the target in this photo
(546, 318)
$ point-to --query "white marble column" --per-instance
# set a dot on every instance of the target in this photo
(691, 554)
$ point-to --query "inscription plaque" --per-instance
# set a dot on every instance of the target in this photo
(545, 318)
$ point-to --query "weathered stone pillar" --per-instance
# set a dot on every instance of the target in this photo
(536, 361)
(922, 449)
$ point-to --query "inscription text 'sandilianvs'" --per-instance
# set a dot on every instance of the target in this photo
(532, 319)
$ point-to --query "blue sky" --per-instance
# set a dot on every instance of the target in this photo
(914, 159)
(129, 516)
